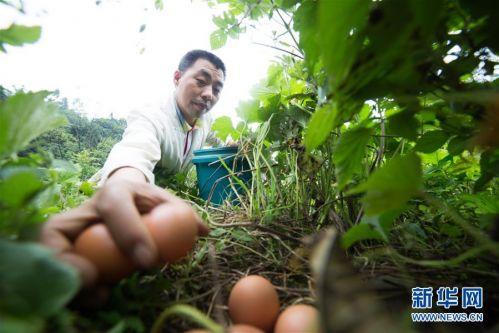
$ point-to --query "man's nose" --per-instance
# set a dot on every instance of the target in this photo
(207, 94)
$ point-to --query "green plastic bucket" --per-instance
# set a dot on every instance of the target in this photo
(214, 182)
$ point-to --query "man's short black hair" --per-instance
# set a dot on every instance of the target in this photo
(190, 58)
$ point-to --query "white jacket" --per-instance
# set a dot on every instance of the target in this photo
(157, 135)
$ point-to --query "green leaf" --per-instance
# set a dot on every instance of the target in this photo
(158, 4)
(320, 125)
(349, 153)
(431, 141)
(392, 185)
(457, 145)
(241, 236)
(286, 4)
(305, 21)
(87, 188)
(359, 232)
(33, 282)
(248, 110)
(218, 38)
(18, 35)
(18, 185)
(403, 124)
(338, 25)
(223, 127)
(23, 117)
(373, 227)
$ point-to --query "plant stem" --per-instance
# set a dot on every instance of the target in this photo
(279, 49)
(189, 312)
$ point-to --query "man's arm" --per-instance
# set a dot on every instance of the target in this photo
(127, 192)
(140, 147)
(128, 173)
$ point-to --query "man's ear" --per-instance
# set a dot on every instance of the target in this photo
(176, 77)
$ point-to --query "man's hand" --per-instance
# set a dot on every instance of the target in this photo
(119, 205)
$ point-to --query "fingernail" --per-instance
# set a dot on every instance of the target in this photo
(143, 256)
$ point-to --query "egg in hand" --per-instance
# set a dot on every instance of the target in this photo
(172, 226)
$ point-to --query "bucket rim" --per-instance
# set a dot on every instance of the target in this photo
(213, 158)
(228, 149)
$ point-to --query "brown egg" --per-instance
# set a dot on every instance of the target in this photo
(298, 318)
(254, 301)
(173, 228)
(95, 244)
(244, 329)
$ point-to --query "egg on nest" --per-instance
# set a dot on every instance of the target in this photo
(298, 318)
(254, 301)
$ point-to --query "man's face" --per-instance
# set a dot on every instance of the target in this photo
(198, 89)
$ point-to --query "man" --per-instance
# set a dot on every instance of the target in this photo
(168, 136)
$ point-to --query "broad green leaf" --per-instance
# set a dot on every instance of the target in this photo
(320, 125)
(248, 110)
(365, 112)
(403, 124)
(383, 222)
(223, 127)
(33, 282)
(457, 145)
(23, 117)
(17, 185)
(305, 21)
(286, 4)
(18, 35)
(371, 227)
(392, 185)
(339, 23)
(218, 38)
(359, 232)
(349, 153)
(431, 141)
(374, 65)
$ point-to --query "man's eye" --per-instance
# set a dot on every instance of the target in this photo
(201, 82)
(216, 91)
